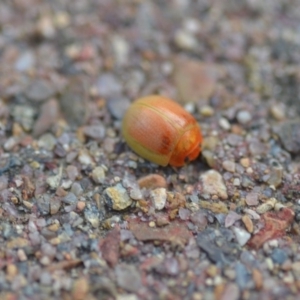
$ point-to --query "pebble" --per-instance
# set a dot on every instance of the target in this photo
(76, 93)
(243, 117)
(185, 40)
(242, 236)
(248, 223)
(95, 132)
(85, 158)
(289, 134)
(117, 106)
(194, 79)
(213, 184)
(231, 218)
(108, 85)
(152, 181)
(24, 115)
(25, 61)
(229, 166)
(245, 162)
(279, 256)
(80, 289)
(270, 204)
(72, 172)
(48, 115)
(224, 124)
(47, 141)
(278, 111)
(128, 277)
(116, 197)
(159, 198)
(207, 111)
(54, 181)
(243, 277)
(231, 292)
(252, 199)
(98, 174)
(39, 90)
(276, 174)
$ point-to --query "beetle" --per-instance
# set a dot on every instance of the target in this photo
(161, 131)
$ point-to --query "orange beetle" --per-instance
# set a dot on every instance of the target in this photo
(161, 131)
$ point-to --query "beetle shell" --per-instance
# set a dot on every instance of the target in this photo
(161, 131)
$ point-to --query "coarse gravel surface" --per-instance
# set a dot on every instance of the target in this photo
(82, 217)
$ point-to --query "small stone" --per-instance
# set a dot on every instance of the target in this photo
(48, 115)
(248, 223)
(117, 198)
(242, 236)
(24, 115)
(72, 172)
(95, 132)
(159, 198)
(252, 199)
(276, 174)
(231, 292)
(279, 256)
(76, 93)
(257, 278)
(236, 182)
(22, 255)
(278, 111)
(25, 61)
(108, 85)
(55, 205)
(231, 218)
(289, 134)
(117, 106)
(270, 204)
(47, 141)
(207, 111)
(135, 194)
(43, 203)
(11, 271)
(185, 40)
(152, 181)
(243, 117)
(80, 289)
(121, 49)
(194, 79)
(85, 158)
(213, 184)
(184, 214)
(98, 174)
(224, 124)
(245, 162)
(128, 277)
(54, 181)
(215, 207)
(229, 166)
(39, 90)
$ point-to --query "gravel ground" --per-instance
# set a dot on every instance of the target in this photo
(83, 217)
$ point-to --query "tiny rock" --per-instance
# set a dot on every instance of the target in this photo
(213, 184)
(159, 198)
(117, 198)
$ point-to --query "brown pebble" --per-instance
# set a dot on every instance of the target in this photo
(212, 271)
(81, 205)
(80, 289)
(219, 290)
(152, 181)
(245, 162)
(11, 271)
(248, 223)
(257, 278)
